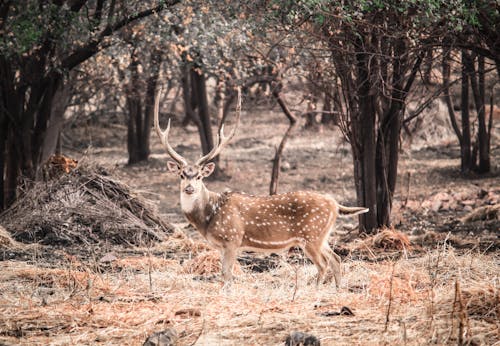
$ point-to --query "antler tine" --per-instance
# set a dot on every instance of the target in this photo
(164, 134)
(221, 140)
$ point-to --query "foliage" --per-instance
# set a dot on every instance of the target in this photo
(41, 43)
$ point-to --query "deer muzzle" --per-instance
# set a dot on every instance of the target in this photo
(189, 189)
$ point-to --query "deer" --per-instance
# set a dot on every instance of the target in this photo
(236, 221)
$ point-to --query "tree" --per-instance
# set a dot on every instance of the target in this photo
(477, 37)
(474, 148)
(376, 64)
(140, 98)
(43, 41)
(376, 51)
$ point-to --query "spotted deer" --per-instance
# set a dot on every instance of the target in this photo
(234, 221)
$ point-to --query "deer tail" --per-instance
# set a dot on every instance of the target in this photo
(351, 211)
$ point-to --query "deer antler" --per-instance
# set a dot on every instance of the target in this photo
(164, 134)
(221, 140)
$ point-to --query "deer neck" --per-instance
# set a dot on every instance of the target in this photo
(200, 208)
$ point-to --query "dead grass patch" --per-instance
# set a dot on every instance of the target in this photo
(389, 239)
(206, 263)
(7, 242)
(145, 263)
(86, 306)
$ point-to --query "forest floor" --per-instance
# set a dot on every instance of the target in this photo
(432, 278)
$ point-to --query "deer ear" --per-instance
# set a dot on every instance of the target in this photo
(173, 167)
(208, 169)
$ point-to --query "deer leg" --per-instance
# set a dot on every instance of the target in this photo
(315, 254)
(333, 263)
(228, 259)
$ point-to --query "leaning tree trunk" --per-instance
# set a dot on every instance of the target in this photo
(52, 138)
(273, 186)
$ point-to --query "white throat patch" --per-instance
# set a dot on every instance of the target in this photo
(189, 202)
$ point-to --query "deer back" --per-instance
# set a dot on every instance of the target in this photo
(271, 222)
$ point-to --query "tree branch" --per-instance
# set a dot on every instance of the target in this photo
(92, 47)
(4, 12)
(273, 187)
(77, 5)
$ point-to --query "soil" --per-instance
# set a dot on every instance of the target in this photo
(402, 294)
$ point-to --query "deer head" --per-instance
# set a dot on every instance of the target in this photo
(192, 188)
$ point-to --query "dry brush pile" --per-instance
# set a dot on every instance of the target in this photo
(84, 206)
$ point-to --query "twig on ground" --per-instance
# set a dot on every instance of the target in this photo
(387, 315)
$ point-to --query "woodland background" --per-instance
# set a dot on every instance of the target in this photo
(391, 105)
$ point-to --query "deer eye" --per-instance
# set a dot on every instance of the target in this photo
(183, 176)
(199, 177)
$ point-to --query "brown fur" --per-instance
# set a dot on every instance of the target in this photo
(233, 221)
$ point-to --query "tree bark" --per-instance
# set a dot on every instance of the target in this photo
(140, 106)
(203, 110)
(365, 126)
(273, 186)
(447, 96)
(134, 105)
(465, 145)
(327, 117)
(12, 169)
(187, 95)
(3, 135)
(51, 138)
(478, 90)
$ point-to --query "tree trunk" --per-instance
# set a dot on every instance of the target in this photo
(12, 169)
(144, 140)
(484, 165)
(141, 113)
(187, 94)
(447, 96)
(3, 156)
(52, 136)
(327, 116)
(204, 128)
(389, 129)
(43, 121)
(273, 186)
(465, 145)
(134, 113)
(429, 58)
(134, 121)
(203, 110)
(365, 127)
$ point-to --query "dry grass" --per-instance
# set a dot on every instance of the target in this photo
(409, 301)
(6, 241)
